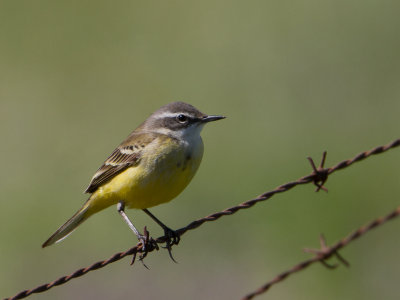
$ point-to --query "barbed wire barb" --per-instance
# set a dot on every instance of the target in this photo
(325, 253)
(320, 174)
(318, 177)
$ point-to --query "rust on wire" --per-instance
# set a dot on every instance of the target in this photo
(318, 177)
(325, 253)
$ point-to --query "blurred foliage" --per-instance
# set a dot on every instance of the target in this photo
(295, 78)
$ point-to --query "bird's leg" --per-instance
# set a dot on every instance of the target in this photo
(168, 232)
(121, 210)
(172, 236)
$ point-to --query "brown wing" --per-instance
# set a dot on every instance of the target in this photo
(126, 155)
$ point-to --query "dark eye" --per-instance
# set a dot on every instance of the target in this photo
(181, 118)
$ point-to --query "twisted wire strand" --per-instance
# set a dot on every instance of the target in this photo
(318, 175)
(326, 253)
(287, 186)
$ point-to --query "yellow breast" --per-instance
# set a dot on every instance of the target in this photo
(165, 169)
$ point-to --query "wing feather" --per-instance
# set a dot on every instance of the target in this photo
(124, 156)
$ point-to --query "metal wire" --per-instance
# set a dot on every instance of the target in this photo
(318, 177)
(325, 252)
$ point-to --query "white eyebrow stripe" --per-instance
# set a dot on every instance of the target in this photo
(170, 115)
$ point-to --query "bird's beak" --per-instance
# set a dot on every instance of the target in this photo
(207, 119)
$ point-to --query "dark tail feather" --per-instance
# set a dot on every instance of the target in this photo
(69, 226)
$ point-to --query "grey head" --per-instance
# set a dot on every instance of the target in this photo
(177, 119)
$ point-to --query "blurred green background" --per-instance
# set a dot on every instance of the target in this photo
(295, 78)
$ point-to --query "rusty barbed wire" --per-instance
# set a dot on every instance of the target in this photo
(325, 253)
(318, 177)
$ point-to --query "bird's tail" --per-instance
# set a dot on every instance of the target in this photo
(69, 226)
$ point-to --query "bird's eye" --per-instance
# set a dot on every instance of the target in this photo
(181, 118)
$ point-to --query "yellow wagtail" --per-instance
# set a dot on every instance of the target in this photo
(151, 166)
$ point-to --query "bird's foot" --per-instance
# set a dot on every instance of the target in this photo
(172, 238)
(146, 245)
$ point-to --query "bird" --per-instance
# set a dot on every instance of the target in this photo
(153, 165)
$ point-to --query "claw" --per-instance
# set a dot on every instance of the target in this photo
(146, 244)
(172, 238)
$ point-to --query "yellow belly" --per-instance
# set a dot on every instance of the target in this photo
(163, 172)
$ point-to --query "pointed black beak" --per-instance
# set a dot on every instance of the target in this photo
(207, 119)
